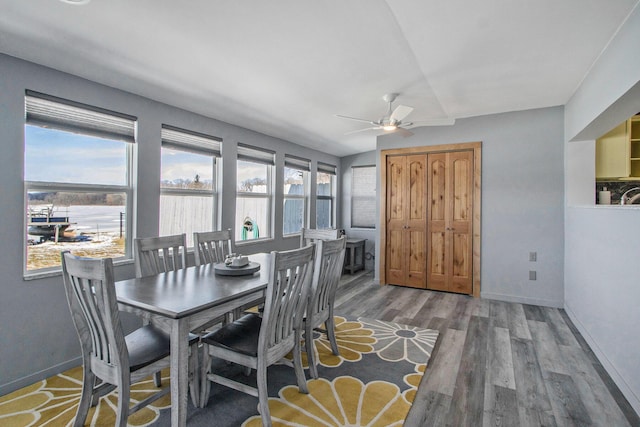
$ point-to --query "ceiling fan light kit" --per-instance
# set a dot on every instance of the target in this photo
(392, 120)
(76, 2)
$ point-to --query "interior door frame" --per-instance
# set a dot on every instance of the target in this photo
(476, 147)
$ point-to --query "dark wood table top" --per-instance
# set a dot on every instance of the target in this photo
(182, 293)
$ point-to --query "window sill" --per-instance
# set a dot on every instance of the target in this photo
(291, 236)
(58, 271)
(604, 207)
(253, 241)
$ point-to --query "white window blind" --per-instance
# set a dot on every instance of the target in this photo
(254, 154)
(191, 141)
(326, 168)
(298, 163)
(363, 197)
(55, 113)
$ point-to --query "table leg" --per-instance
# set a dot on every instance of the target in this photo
(179, 371)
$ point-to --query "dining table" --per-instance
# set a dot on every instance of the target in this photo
(182, 301)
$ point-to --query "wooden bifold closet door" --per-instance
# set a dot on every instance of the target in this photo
(406, 218)
(429, 220)
(450, 234)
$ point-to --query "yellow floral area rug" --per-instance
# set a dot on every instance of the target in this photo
(371, 383)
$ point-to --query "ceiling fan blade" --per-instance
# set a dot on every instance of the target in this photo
(434, 122)
(356, 119)
(404, 132)
(362, 130)
(400, 113)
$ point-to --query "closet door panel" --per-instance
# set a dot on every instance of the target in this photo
(406, 210)
(461, 268)
(437, 258)
(417, 185)
(395, 211)
(395, 257)
(437, 253)
(395, 189)
(450, 245)
(461, 280)
(461, 191)
(417, 222)
(417, 259)
(437, 175)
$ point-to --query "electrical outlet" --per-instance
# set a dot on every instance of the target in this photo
(532, 275)
(533, 256)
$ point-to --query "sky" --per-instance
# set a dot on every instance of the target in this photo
(57, 156)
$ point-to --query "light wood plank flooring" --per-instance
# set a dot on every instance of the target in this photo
(495, 363)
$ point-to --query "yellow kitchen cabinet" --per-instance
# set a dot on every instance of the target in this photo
(613, 153)
(633, 126)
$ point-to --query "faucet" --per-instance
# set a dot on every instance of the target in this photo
(623, 198)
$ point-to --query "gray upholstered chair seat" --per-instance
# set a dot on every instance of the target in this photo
(147, 345)
(240, 335)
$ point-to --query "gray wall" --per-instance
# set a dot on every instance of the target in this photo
(36, 333)
(602, 243)
(369, 158)
(522, 198)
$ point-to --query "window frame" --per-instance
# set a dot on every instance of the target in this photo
(355, 196)
(194, 142)
(126, 136)
(252, 154)
(303, 165)
(330, 170)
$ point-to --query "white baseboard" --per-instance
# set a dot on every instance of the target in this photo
(626, 390)
(38, 376)
(523, 300)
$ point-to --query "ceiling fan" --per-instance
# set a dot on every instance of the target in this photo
(392, 121)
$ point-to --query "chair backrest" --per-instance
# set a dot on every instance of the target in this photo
(91, 296)
(212, 246)
(155, 255)
(285, 301)
(310, 235)
(329, 260)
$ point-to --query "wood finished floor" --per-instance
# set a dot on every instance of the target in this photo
(495, 363)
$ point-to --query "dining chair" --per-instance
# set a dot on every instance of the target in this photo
(107, 354)
(258, 341)
(310, 235)
(329, 258)
(155, 255)
(212, 246)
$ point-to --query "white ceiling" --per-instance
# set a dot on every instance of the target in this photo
(286, 67)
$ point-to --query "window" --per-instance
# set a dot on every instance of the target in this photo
(325, 198)
(188, 182)
(363, 197)
(296, 173)
(77, 178)
(253, 192)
